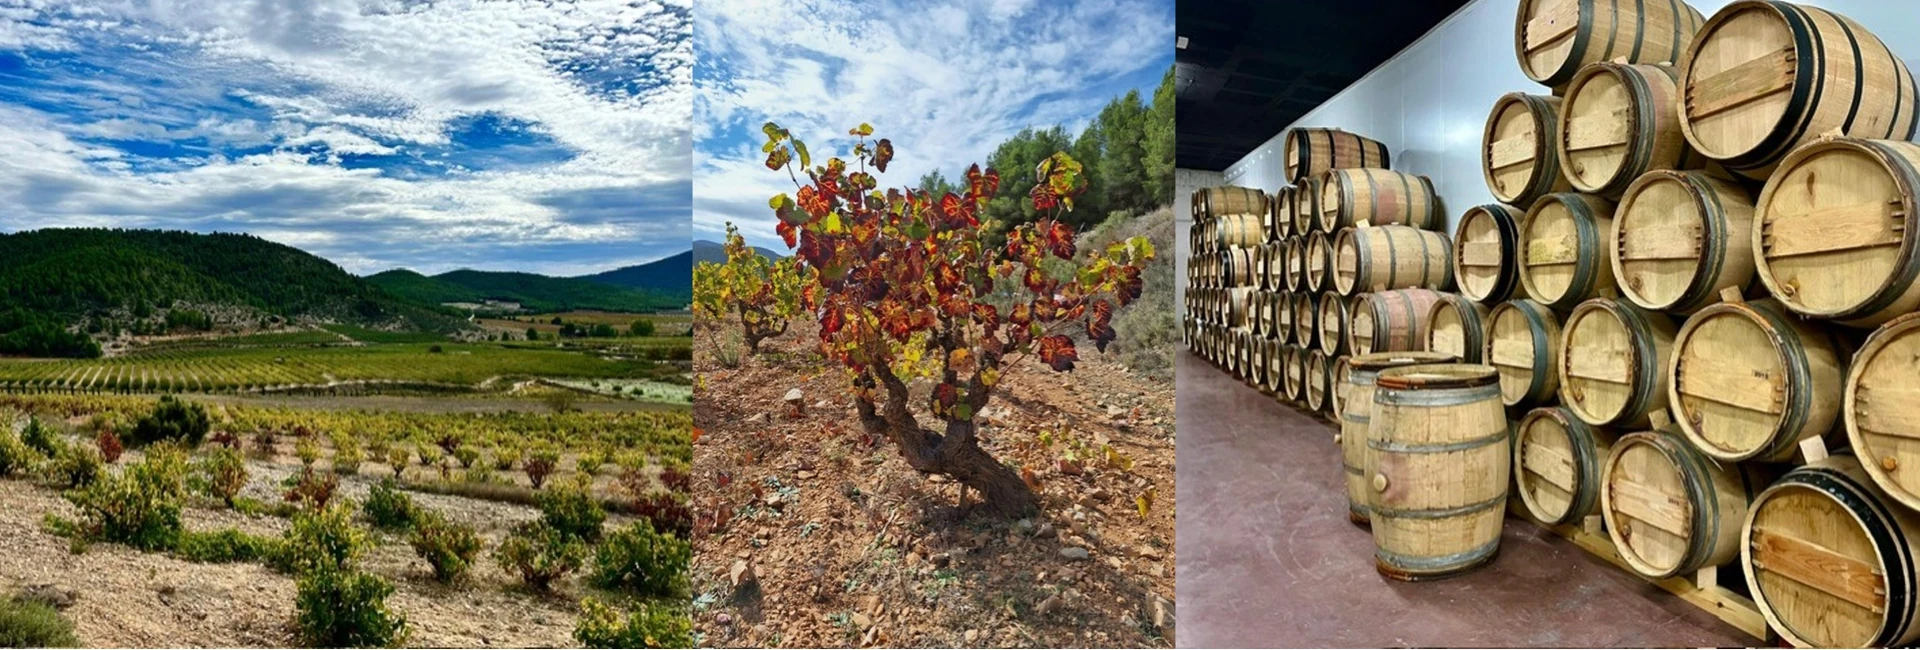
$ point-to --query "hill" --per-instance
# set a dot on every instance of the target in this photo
(534, 292)
(712, 251)
(670, 277)
(112, 279)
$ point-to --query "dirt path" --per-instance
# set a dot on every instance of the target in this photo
(853, 548)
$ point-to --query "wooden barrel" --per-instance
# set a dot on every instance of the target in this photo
(1240, 231)
(1312, 152)
(1332, 325)
(1275, 377)
(1220, 201)
(1613, 362)
(1837, 231)
(1457, 326)
(1555, 38)
(1523, 342)
(1563, 249)
(1748, 381)
(1237, 267)
(1337, 373)
(1379, 197)
(1669, 509)
(1306, 204)
(1438, 456)
(1485, 253)
(1316, 371)
(1620, 121)
(1356, 375)
(1679, 238)
(1391, 257)
(1305, 309)
(1280, 214)
(1295, 383)
(1319, 259)
(1765, 77)
(1238, 299)
(1276, 267)
(1297, 263)
(1282, 309)
(1829, 559)
(1391, 321)
(1880, 409)
(1516, 150)
(1556, 464)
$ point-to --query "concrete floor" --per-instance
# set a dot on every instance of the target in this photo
(1268, 559)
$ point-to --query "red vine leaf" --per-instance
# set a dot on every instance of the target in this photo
(1057, 351)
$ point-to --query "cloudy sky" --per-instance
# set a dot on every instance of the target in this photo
(534, 135)
(946, 82)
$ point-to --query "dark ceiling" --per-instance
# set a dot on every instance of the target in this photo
(1252, 67)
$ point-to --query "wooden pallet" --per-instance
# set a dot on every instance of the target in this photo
(1701, 590)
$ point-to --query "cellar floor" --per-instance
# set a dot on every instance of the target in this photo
(1268, 559)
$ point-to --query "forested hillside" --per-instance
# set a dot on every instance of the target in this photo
(537, 293)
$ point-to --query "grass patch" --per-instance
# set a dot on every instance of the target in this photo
(32, 624)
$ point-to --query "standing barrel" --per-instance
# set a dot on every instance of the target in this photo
(1556, 464)
(1332, 324)
(1620, 121)
(1457, 326)
(1669, 509)
(1319, 260)
(1312, 152)
(1613, 362)
(1304, 311)
(1765, 77)
(1838, 230)
(1355, 412)
(1563, 249)
(1485, 253)
(1306, 204)
(1829, 559)
(1748, 381)
(1379, 197)
(1297, 263)
(1523, 342)
(1679, 238)
(1391, 321)
(1881, 407)
(1554, 38)
(1516, 151)
(1391, 257)
(1438, 458)
(1316, 370)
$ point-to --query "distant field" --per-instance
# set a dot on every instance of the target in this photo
(365, 335)
(670, 321)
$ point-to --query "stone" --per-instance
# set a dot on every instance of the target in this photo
(1162, 608)
(972, 636)
(742, 574)
(757, 418)
(1075, 553)
(1148, 552)
(862, 621)
(795, 397)
(50, 595)
(1050, 605)
(822, 404)
(723, 619)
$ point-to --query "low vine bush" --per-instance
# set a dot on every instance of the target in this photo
(140, 506)
(323, 539)
(640, 561)
(28, 623)
(339, 607)
(172, 419)
(573, 511)
(389, 508)
(541, 554)
(448, 547)
(651, 626)
(224, 546)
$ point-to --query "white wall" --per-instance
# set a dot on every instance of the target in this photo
(1429, 103)
(1185, 182)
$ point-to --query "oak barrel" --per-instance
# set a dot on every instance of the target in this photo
(1881, 408)
(1563, 249)
(1237, 267)
(1748, 381)
(1680, 237)
(1223, 200)
(1613, 362)
(1516, 149)
(1356, 375)
(1319, 260)
(1297, 263)
(1306, 204)
(1310, 152)
(1620, 121)
(1282, 307)
(1391, 257)
(1332, 324)
(1438, 457)
(1305, 310)
(1337, 373)
(1457, 326)
(1316, 370)
(1669, 509)
(1378, 197)
(1554, 38)
(1280, 213)
(1765, 77)
(1523, 342)
(1240, 230)
(1391, 321)
(1486, 253)
(1836, 231)
(1556, 464)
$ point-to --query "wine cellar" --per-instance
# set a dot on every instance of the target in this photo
(1683, 336)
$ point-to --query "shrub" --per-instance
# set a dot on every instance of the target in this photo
(75, 465)
(311, 488)
(676, 477)
(221, 474)
(140, 506)
(652, 626)
(347, 455)
(590, 461)
(506, 456)
(573, 511)
(342, 608)
(540, 554)
(763, 294)
(642, 562)
(32, 624)
(561, 400)
(15, 456)
(266, 442)
(223, 547)
(172, 419)
(466, 456)
(109, 444)
(540, 465)
(389, 508)
(320, 539)
(446, 546)
(668, 511)
(40, 437)
(482, 475)
(430, 456)
(397, 461)
(307, 451)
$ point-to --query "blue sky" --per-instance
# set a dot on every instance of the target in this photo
(522, 135)
(946, 81)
